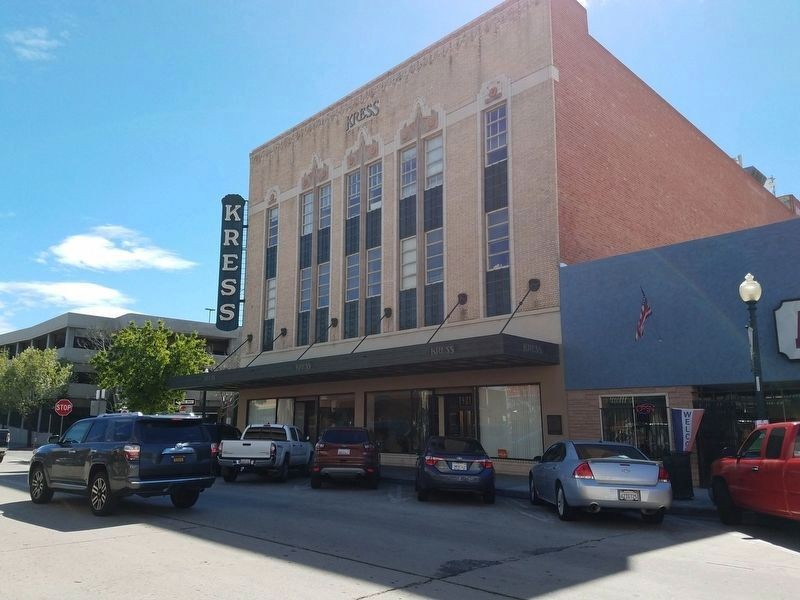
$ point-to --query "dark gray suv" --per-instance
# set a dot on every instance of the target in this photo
(116, 455)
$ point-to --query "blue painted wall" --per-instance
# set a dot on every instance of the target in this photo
(697, 333)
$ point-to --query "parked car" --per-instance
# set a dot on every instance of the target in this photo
(115, 455)
(763, 476)
(457, 465)
(219, 432)
(595, 476)
(346, 452)
(265, 449)
(5, 440)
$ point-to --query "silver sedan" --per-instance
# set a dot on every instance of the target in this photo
(600, 475)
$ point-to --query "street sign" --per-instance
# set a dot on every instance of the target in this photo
(63, 407)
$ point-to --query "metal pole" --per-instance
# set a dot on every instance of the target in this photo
(204, 404)
(761, 405)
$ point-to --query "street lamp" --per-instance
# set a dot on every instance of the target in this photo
(750, 293)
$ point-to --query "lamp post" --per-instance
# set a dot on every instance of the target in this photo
(750, 293)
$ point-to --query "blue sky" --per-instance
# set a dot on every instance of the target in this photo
(122, 125)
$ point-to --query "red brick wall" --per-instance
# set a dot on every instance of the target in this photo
(633, 173)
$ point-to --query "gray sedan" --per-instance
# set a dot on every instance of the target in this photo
(600, 475)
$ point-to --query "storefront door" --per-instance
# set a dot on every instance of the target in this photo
(459, 415)
(305, 417)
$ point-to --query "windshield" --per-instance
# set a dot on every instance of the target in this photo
(587, 451)
(171, 431)
(345, 436)
(455, 445)
(265, 433)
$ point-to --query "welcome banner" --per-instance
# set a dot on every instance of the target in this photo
(685, 423)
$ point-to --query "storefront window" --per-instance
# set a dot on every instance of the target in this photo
(262, 411)
(403, 420)
(336, 411)
(285, 411)
(511, 421)
(640, 421)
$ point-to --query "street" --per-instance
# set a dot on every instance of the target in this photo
(257, 538)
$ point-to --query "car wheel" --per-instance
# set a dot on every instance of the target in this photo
(565, 511)
(229, 475)
(533, 494)
(40, 491)
(488, 496)
(728, 512)
(283, 473)
(316, 481)
(184, 498)
(653, 516)
(101, 500)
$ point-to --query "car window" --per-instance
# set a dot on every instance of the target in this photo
(345, 436)
(551, 453)
(77, 432)
(775, 442)
(455, 445)
(298, 434)
(797, 445)
(171, 431)
(120, 430)
(561, 452)
(98, 431)
(752, 445)
(587, 451)
(265, 433)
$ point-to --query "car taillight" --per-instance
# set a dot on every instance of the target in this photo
(486, 464)
(432, 460)
(132, 452)
(273, 450)
(663, 475)
(583, 471)
(214, 449)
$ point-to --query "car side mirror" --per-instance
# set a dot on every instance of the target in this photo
(537, 459)
(53, 439)
(728, 452)
(308, 438)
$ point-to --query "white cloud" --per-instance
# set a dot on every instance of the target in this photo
(88, 298)
(34, 43)
(114, 248)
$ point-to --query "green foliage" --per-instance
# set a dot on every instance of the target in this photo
(31, 379)
(141, 360)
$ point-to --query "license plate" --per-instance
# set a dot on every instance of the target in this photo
(178, 459)
(344, 451)
(629, 495)
(458, 466)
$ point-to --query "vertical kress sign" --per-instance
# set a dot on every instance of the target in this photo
(230, 262)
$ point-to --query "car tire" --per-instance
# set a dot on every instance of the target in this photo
(533, 495)
(654, 517)
(316, 481)
(423, 495)
(41, 493)
(373, 481)
(101, 500)
(564, 510)
(283, 473)
(184, 498)
(229, 475)
(488, 496)
(728, 512)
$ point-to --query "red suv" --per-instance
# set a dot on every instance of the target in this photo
(346, 453)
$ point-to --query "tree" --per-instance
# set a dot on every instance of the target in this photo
(32, 378)
(141, 360)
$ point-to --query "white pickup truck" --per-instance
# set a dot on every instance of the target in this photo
(265, 449)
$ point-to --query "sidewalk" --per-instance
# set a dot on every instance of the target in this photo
(516, 486)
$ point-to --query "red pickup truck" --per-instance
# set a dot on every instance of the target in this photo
(764, 476)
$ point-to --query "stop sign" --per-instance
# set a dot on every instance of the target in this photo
(63, 407)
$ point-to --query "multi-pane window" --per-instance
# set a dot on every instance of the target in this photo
(272, 297)
(305, 289)
(272, 227)
(325, 207)
(497, 239)
(374, 272)
(375, 190)
(496, 135)
(353, 194)
(408, 172)
(408, 263)
(434, 162)
(323, 285)
(434, 256)
(351, 291)
(308, 213)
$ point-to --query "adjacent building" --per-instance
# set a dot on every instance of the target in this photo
(405, 245)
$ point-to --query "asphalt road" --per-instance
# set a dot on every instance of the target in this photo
(262, 539)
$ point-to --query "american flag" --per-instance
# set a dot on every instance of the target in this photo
(643, 314)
